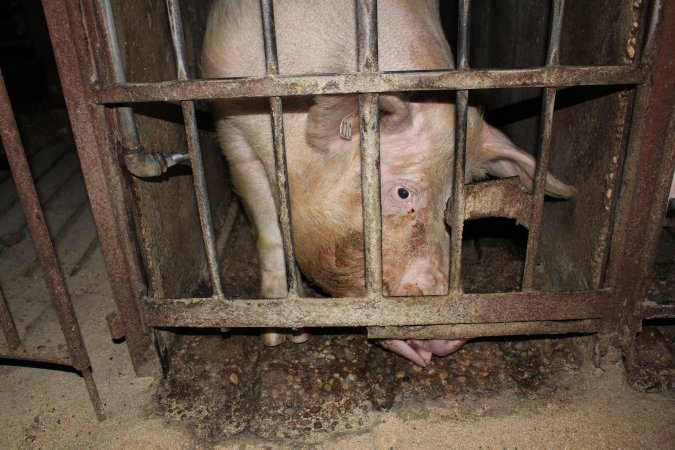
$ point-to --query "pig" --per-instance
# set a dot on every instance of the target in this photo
(416, 150)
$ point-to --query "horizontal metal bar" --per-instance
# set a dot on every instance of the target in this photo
(369, 82)
(478, 330)
(653, 310)
(52, 355)
(377, 310)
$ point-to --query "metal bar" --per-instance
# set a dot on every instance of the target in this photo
(457, 223)
(8, 325)
(370, 148)
(479, 330)
(98, 159)
(545, 131)
(43, 245)
(192, 134)
(51, 355)
(645, 180)
(453, 308)
(125, 115)
(461, 111)
(355, 83)
(281, 187)
(463, 19)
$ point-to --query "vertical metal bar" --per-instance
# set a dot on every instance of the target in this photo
(370, 148)
(461, 111)
(43, 245)
(282, 189)
(463, 18)
(8, 325)
(545, 130)
(192, 134)
(129, 132)
(105, 185)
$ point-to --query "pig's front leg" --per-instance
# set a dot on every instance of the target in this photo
(420, 351)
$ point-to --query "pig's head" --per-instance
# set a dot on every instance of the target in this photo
(416, 171)
(416, 160)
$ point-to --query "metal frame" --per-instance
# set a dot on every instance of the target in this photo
(74, 354)
(616, 308)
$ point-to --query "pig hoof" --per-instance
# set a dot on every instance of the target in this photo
(299, 336)
(272, 338)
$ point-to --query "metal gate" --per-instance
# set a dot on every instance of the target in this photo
(87, 53)
(74, 354)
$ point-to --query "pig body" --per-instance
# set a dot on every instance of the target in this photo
(416, 149)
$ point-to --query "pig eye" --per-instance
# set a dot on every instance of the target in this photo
(403, 193)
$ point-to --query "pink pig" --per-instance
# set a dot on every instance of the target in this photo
(416, 150)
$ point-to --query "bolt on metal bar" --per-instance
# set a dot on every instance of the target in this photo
(192, 134)
(461, 111)
(366, 14)
(8, 325)
(544, 150)
(282, 188)
(43, 245)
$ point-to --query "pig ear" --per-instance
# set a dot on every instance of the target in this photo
(326, 117)
(395, 113)
(504, 159)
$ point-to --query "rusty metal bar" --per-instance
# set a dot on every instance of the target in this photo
(8, 325)
(461, 111)
(282, 190)
(105, 185)
(188, 106)
(646, 179)
(496, 198)
(355, 83)
(51, 355)
(379, 310)
(479, 330)
(366, 13)
(43, 245)
(545, 131)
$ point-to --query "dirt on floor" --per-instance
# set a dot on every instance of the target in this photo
(338, 390)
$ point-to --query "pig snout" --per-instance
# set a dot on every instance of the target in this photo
(422, 277)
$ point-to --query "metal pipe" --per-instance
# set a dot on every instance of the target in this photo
(146, 165)
(370, 148)
(192, 134)
(127, 122)
(137, 161)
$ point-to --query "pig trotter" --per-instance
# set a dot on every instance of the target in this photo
(420, 351)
